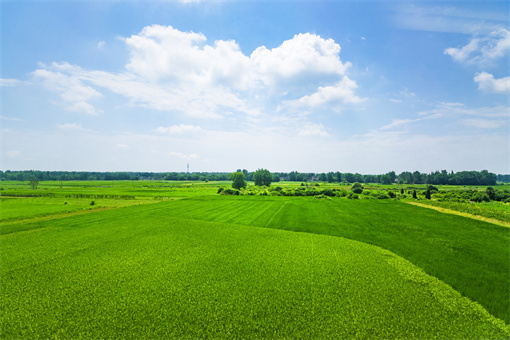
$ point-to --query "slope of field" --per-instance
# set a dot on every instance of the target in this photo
(471, 256)
(140, 272)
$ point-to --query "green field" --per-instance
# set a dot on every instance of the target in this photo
(199, 265)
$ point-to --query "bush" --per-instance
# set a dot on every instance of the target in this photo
(220, 190)
(391, 194)
(230, 191)
(353, 196)
(92, 203)
(322, 197)
(357, 188)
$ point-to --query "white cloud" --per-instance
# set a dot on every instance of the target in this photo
(74, 94)
(449, 109)
(179, 129)
(483, 50)
(9, 82)
(70, 126)
(486, 81)
(398, 122)
(311, 129)
(339, 93)
(175, 71)
(100, 44)
(463, 53)
(12, 119)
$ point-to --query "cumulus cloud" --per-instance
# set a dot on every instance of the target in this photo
(482, 50)
(175, 71)
(486, 81)
(179, 129)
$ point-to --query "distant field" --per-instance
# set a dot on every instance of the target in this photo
(196, 264)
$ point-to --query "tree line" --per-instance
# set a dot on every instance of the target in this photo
(437, 177)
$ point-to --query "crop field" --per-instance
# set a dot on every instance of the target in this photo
(194, 264)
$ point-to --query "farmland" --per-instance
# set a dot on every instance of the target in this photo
(176, 260)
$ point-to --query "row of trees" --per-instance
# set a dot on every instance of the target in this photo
(111, 176)
(438, 177)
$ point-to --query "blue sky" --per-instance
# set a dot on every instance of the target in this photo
(349, 86)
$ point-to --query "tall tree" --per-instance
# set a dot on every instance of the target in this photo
(238, 180)
(262, 177)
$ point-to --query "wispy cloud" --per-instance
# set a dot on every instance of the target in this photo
(179, 129)
(484, 123)
(71, 126)
(482, 50)
(12, 119)
(450, 19)
(9, 82)
(75, 96)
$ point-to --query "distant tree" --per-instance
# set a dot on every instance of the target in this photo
(491, 193)
(385, 179)
(348, 177)
(427, 194)
(34, 182)
(238, 180)
(331, 177)
(414, 194)
(357, 188)
(276, 178)
(262, 177)
(323, 177)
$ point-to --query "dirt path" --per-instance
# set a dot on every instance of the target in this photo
(454, 212)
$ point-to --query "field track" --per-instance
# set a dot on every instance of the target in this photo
(449, 211)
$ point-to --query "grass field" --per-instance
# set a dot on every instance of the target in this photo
(210, 266)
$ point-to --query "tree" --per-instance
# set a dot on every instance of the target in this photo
(414, 194)
(491, 193)
(385, 179)
(262, 177)
(427, 194)
(34, 182)
(238, 180)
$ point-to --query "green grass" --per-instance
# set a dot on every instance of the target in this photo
(20, 208)
(470, 255)
(142, 272)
